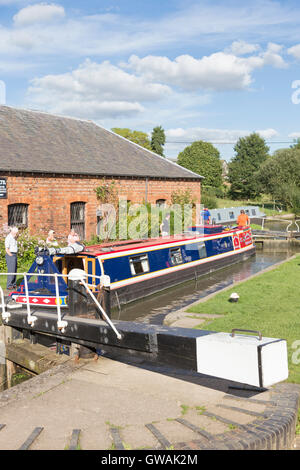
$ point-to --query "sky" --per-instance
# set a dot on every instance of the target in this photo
(203, 70)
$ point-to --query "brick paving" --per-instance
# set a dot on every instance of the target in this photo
(117, 403)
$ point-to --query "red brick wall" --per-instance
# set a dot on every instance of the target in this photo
(49, 198)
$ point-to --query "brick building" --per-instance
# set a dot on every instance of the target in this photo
(51, 165)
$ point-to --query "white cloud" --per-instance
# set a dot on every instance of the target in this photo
(294, 51)
(94, 91)
(272, 56)
(215, 135)
(39, 13)
(267, 133)
(220, 71)
(294, 135)
(242, 48)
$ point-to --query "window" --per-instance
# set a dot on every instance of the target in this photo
(161, 202)
(219, 216)
(197, 247)
(139, 264)
(253, 212)
(231, 215)
(78, 218)
(202, 250)
(18, 215)
(176, 256)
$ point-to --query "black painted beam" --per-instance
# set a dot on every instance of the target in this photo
(172, 346)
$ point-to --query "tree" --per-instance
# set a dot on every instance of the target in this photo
(279, 176)
(138, 137)
(296, 144)
(251, 153)
(204, 159)
(158, 140)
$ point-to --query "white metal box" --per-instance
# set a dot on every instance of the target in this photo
(251, 360)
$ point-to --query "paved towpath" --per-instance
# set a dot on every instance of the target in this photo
(120, 403)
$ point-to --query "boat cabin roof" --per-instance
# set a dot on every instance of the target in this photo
(126, 245)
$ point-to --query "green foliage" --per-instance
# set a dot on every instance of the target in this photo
(204, 159)
(251, 153)
(279, 176)
(26, 246)
(138, 137)
(182, 197)
(209, 198)
(106, 192)
(296, 144)
(158, 140)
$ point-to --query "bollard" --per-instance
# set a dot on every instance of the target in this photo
(79, 300)
(105, 285)
(106, 296)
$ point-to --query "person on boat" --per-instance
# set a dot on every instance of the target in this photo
(73, 237)
(50, 239)
(243, 219)
(165, 226)
(205, 214)
(11, 256)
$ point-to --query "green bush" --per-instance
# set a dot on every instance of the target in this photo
(26, 245)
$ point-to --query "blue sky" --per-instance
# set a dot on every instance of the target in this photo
(212, 70)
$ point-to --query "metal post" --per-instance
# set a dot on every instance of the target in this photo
(60, 324)
(107, 304)
(30, 318)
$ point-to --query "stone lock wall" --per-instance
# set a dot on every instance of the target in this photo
(49, 198)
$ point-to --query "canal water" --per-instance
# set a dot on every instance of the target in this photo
(154, 308)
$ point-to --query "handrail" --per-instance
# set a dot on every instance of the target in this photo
(61, 324)
(119, 336)
(289, 222)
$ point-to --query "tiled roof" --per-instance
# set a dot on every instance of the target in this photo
(33, 141)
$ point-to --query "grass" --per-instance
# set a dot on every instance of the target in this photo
(21, 269)
(269, 303)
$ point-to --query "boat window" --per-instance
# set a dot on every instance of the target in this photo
(253, 212)
(231, 215)
(219, 216)
(139, 264)
(202, 250)
(176, 256)
(247, 211)
(198, 247)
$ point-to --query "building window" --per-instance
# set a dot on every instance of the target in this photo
(161, 203)
(78, 218)
(18, 215)
(139, 264)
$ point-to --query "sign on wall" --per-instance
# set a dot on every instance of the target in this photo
(3, 189)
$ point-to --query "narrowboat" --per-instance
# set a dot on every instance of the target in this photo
(135, 268)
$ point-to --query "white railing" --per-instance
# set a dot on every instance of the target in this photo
(61, 324)
(289, 222)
